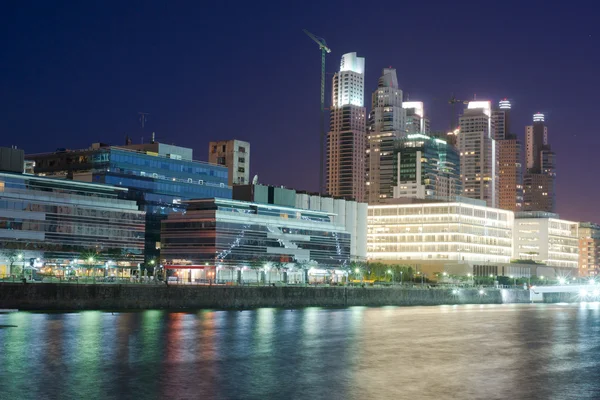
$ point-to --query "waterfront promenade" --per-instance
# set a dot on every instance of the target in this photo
(50, 296)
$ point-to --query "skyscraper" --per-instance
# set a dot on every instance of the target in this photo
(347, 138)
(416, 122)
(386, 124)
(427, 168)
(539, 181)
(478, 163)
(510, 173)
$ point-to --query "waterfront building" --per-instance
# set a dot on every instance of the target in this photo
(463, 230)
(62, 225)
(235, 155)
(426, 168)
(159, 177)
(386, 124)
(238, 240)
(347, 138)
(540, 178)
(478, 156)
(510, 172)
(349, 214)
(589, 249)
(543, 237)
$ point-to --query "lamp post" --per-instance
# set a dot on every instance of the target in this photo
(469, 275)
(392, 274)
(514, 280)
(401, 283)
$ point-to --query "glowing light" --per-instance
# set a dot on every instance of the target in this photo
(504, 104)
(485, 105)
(561, 281)
(417, 136)
(417, 105)
(481, 292)
(583, 292)
(357, 270)
(389, 271)
(454, 291)
(596, 292)
(538, 117)
(592, 282)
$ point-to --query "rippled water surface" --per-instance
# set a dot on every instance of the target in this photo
(450, 352)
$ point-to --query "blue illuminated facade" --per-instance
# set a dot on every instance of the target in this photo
(158, 183)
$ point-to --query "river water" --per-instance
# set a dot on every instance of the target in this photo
(448, 352)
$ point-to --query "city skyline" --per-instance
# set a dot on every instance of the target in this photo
(69, 79)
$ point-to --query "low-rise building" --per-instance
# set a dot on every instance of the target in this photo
(54, 224)
(436, 234)
(235, 240)
(350, 214)
(158, 177)
(543, 237)
(589, 249)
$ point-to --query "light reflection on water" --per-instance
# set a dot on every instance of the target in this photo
(466, 352)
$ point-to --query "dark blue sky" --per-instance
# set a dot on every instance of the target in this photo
(72, 73)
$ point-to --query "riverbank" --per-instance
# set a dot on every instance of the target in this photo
(57, 297)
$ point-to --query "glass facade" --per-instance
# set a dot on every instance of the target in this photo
(158, 184)
(236, 233)
(426, 167)
(58, 220)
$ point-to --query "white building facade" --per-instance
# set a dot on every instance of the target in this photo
(440, 231)
(543, 237)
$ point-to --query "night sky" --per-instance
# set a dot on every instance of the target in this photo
(73, 73)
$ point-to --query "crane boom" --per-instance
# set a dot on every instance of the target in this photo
(318, 40)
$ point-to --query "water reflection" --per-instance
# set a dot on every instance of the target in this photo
(491, 351)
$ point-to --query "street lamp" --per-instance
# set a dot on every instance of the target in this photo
(389, 271)
(514, 280)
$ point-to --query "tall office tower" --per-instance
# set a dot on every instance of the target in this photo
(235, 155)
(510, 171)
(540, 178)
(386, 124)
(478, 163)
(347, 137)
(427, 168)
(416, 122)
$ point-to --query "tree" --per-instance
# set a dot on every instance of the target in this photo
(89, 257)
(13, 255)
(278, 264)
(257, 263)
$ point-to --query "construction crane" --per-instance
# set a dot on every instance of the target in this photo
(324, 50)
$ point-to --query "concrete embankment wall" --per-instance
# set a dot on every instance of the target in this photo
(130, 297)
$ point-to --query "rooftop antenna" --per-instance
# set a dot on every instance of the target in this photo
(143, 118)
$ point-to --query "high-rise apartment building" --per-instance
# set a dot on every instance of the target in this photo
(416, 122)
(347, 137)
(478, 156)
(427, 168)
(510, 172)
(385, 125)
(539, 180)
(589, 249)
(235, 155)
